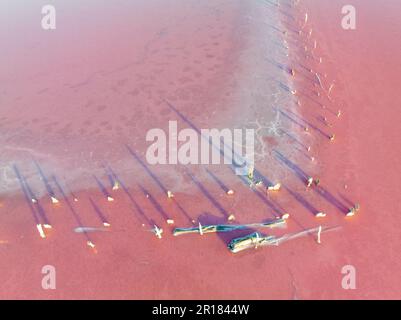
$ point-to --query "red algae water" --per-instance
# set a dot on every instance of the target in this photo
(77, 102)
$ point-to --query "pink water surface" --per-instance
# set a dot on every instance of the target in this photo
(75, 98)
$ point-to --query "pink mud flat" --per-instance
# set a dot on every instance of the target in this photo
(64, 95)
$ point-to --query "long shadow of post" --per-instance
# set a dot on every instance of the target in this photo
(138, 208)
(347, 200)
(291, 136)
(298, 123)
(155, 203)
(296, 169)
(43, 177)
(234, 165)
(218, 181)
(71, 207)
(325, 194)
(159, 183)
(306, 204)
(109, 174)
(99, 213)
(26, 195)
(215, 203)
(102, 188)
(30, 194)
(324, 134)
